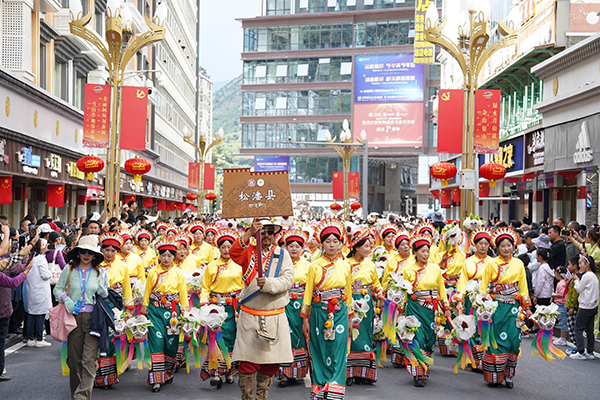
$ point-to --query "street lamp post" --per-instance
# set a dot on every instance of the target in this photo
(202, 149)
(471, 54)
(118, 49)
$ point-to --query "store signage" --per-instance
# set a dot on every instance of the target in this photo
(392, 124)
(535, 149)
(487, 121)
(583, 153)
(4, 158)
(505, 156)
(54, 164)
(423, 50)
(30, 161)
(137, 187)
(74, 172)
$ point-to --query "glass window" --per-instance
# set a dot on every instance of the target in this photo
(283, 39)
(311, 168)
(262, 39)
(292, 103)
(346, 68)
(403, 32)
(382, 33)
(315, 38)
(261, 71)
(248, 104)
(271, 96)
(346, 101)
(324, 106)
(304, 41)
(282, 69)
(336, 35)
(261, 102)
(294, 37)
(393, 33)
(434, 71)
(321, 169)
(248, 136)
(271, 71)
(313, 65)
(347, 36)
(293, 71)
(281, 102)
(335, 69)
(324, 69)
(260, 135)
(325, 36)
(250, 39)
(303, 102)
(313, 103)
(303, 69)
(335, 105)
(271, 135)
(359, 35)
(371, 35)
(272, 39)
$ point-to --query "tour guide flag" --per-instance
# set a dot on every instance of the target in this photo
(96, 116)
(338, 185)
(6, 190)
(194, 175)
(487, 121)
(209, 176)
(56, 195)
(134, 113)
(450, 120)
(256, 194)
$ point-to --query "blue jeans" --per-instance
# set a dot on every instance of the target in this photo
(4, 322)
(35, 327)
(562, 318)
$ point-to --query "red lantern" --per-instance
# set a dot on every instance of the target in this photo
(355, 206)
(210, 196)
(492, 172)
(89, 165)
(335, 207)
(443, 171)
(138, 167)
(191, 196)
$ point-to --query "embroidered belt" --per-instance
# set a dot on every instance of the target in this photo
(505, 292)
(262, 313)
(426, 298)
(296, 291)
(452, 280)
(328, 294)
(163, 300)
(358, 289)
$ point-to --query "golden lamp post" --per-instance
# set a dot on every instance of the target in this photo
(202, 149)
(120, 46)
(345, 149)
(471, 54)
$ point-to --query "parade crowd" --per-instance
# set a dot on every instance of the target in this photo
(278, 298)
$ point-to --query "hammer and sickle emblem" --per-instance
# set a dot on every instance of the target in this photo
(140, 94)
(446, 96)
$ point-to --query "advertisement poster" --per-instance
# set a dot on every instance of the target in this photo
(388, 78)
(424, 51)
(194, 175)
(487, 121)
(96, 117)
(271, 163)
(396, 124)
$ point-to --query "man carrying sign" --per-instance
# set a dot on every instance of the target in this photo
(263, 334)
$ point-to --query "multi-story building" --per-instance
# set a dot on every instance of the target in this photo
(205, 102)
(43, 72)
(300, 81)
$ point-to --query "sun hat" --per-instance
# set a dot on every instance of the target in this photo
(89, 242)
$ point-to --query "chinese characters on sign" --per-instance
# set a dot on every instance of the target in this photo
(424, 51)
(194, 176)
(536, 144)
(394, 124)
(505, 156)
(487, 121)
(96, 123)
(256, 194)
(353, 185)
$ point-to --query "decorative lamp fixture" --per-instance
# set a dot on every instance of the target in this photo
(191, 196)
(335, 207)
(89, 165)
(210, 196)
(138, 167)
(355, 206)
(443, 171)
(492, 172)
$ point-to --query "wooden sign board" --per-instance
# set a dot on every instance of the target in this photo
(256, 194)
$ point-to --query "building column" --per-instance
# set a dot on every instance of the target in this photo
(504, 211)
(557, 198)
(537, 213)
(581, 195)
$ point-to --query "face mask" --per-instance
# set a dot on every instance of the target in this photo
(60, 247)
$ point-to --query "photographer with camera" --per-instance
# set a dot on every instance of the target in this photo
(588, 245)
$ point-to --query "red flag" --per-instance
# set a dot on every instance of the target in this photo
(456, 195)
(338, 185)
(6, 192)
(148, 202)
(353, 185)
(128, 198)
(209, 176)
(450, 120)
(484, 189)
(161, 205)
(134, 114)
(96, 117)
(194, 175)
(81, 199)
(171, 206)
(487, 122)
(435, 193)
(56, 195)
(446, 198)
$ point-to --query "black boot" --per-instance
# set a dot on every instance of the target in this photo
(419, 383)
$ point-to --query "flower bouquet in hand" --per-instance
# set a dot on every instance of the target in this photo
(137, 327)
(463, 328)
(406, 328)
(485, 310)
(545, 317)
(212, 317)
(361, 308)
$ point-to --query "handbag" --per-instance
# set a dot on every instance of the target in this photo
(62, 322)
(55, 270)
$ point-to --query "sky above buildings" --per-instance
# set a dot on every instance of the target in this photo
(221, 36)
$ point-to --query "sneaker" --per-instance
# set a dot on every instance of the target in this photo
(589, 356)
(31, 343)
(578, 356)
(4, 377)
(43, 343)
(572, 351)
(560, 342)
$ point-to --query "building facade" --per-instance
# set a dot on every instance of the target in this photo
(205, 102)
(43, 72)
(300, 82)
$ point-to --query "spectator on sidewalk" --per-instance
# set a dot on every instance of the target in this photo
(557, 248)
(559, 298)
(571, 302)
(587, 287)
(544, 283)
(39, 298)
(571, 249)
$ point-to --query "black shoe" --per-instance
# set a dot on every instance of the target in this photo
(216, 382)
(230, 379)
(107, 387)
(284, 382)
(494, 384)
(349, 381)
(156, 389)
(419, 383)
(4, 377)
(169, 381)
(509, 384)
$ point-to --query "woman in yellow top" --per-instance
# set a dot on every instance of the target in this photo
(295, 240)
(165, 295)
(426, 228)
(199, 247)
(118, 280)
(505, 281)
(481, 239)
(211, 232)
(328, 322)
(426, 302)
(143, 249)
(361, 363)
(395, 266)
(222, 285)
(137, 273)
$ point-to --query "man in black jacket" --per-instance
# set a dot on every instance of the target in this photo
(557, 248)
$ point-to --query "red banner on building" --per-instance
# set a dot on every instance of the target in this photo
(161, 205)
(456, 196)
(338, 185)
(96, 117)
(353, 185)
(209, 176)
(128, 198)
(171, 206)
(6, 196)
(484, 189)
(487, 122)
(194, 175)
(450, 120)
(56, 195)
(148, 202)
(134, 115)
(446, 198)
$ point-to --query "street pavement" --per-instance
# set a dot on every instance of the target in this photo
(36, 374)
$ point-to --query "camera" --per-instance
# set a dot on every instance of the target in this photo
(565, 232)
(32, 230)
